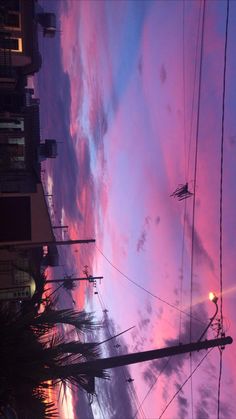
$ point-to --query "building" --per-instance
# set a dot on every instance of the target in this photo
(19, 51)
(16, 282)
(24, 217)
(21, 150)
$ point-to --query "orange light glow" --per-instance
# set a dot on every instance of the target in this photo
(213, 297)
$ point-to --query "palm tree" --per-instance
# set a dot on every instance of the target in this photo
(34, 353)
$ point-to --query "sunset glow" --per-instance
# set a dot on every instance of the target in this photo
(138, 122)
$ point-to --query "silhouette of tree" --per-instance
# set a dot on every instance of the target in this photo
(69, 284)
(34, 354)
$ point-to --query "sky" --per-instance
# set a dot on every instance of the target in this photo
(119, 88)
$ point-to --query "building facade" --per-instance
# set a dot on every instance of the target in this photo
(19, 51)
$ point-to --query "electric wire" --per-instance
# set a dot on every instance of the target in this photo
(133, 392)
(101, 302)
(221, 200)
(222, 161)
(219, 384)
(182, 271)
(151, 387)
(194, 87)
(99, 405)
(194, 193)
(184, 87)
(149, 292)
(187, 379)
(185, 166)
(190, 136)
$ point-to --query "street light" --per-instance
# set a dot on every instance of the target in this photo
(212, 297)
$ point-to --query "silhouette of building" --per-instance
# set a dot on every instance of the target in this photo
(19, 51)
(16, 282)
(20, 148)
(24, 215)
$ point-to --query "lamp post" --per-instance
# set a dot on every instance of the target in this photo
(212, 297)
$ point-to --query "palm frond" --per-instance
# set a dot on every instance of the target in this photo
(69, 284)
(79, 319)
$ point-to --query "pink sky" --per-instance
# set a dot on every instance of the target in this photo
(130, 121)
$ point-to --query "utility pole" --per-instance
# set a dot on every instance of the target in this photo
(57, 243)
(93, 368)
(61, 227)
(88, 278)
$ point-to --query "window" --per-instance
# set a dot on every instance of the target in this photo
(19, 141)
(14, 44)
(16, 164)
(20, 277)
(13, 5)
(5, 266)
(12, 154)
(12, 20)
(15, 218)
(12, 124)
(18, 148)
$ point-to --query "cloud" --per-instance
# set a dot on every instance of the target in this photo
(174, 365)
(81, 405)
(143, 237)
(232, 140)
(227, 410)
(71, 172)
(141, 241)
(182, 403)
(115, 395)
(140, 65)
(98, 118)
(204, 405)
(202, 256)
(163, 74)
(148, 307)
(73, 182)
(143, 323)
(139, 339)
(201, 413)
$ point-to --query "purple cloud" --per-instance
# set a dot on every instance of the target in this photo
(202, 255)
(163, 74)
(141, 241)
(143, 237)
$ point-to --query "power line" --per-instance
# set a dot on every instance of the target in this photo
(195, 165)
(187, 379)
(222, 161)
(133, 392)
(219, 384)
(194, 85)
(99, 405)
(182, 270)
(152, 386)
(221, 199)
(149, 292)
(184, 87)
(190, 136)
(194, 192)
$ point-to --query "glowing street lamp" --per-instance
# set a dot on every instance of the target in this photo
(212, 297)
